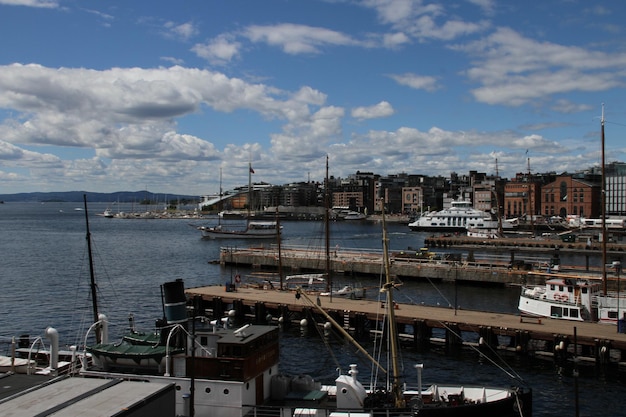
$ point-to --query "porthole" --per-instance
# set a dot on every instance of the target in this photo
(207, 390)
(226, 391)
(177, 387)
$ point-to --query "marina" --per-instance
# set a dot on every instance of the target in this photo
(134, 256)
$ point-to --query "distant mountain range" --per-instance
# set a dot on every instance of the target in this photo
(77, 196)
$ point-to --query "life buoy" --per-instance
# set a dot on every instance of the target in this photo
(237, 278)
(557, 297)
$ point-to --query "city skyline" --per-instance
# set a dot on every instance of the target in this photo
(180, 98)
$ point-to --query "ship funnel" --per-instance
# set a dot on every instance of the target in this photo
(175, 302)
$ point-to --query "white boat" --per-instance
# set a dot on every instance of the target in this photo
(16, 365)
(347, 291)
(461, 216)
(108, 213)
(611, 307)
(252, 230)
(560, 298)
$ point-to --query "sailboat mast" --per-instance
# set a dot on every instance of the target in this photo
(327, 231)
(603, 202)
(249, 191)
(92, 276)
(396, 387)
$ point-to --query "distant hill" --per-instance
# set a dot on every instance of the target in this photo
(77, 196)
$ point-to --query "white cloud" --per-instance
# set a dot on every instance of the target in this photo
(50, 4)
(297, 39)
(382, 109)
(513, 70)
(182, 31)
(566, 106)
(219, 50)
(418, 82)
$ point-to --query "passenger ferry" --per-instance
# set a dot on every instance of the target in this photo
(461, 216)
(560, 298)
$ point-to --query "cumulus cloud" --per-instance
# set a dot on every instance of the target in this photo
(513, 70)
(219, 50)
(297, 39)
(418, 82)
(131, 113)
(182, 31)
(382, 109)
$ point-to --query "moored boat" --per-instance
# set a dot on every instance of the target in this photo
(252, 230)
(560, 298)
(459, 217)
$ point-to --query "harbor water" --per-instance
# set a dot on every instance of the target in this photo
(45, 281)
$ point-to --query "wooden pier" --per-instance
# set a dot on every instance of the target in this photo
(596, 343)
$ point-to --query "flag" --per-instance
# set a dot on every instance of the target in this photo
(251, 170)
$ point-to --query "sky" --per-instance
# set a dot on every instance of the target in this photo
(181, 96)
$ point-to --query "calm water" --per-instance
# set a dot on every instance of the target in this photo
(44, 277)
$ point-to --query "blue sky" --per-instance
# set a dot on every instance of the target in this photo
(126, 95)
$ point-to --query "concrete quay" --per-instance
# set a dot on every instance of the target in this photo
(355, 262)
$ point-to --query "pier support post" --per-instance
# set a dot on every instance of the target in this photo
(218, 308)
(520, 341)
(284, 316)
(603, 348)
(560, 348)
(239, 307)
(421, 334)
(260, 313)
(488, 340)
(359, 326)
(453, 342)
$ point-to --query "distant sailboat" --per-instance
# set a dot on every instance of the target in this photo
(253, 229)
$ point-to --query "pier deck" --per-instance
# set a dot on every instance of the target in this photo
(595, 341)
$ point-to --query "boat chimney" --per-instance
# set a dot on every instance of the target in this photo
(353, 372)
(104, 328)
(53, 335)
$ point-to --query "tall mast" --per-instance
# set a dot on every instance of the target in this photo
(249, 190)
(530, 205)
(327, 232)
(92, 276)
(396, 387)
(603, 202)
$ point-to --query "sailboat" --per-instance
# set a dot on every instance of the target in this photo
(252, 230)
(226, 371)
(436, 400)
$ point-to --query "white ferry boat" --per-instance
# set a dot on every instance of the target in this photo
(461, 216)
(560, 298)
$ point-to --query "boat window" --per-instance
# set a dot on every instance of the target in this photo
(565, 312)
(556, 311)
(612, 314)
(560, 288)
(570, 289)
(573, 313)
(584, 290)
(551, 287)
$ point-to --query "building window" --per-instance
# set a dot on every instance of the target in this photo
(563, 191)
